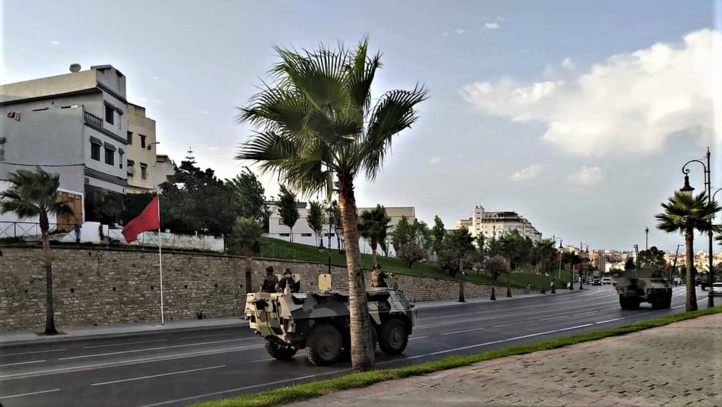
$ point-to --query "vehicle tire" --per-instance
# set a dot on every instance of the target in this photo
(634, 302)
(656, 302)
(668, 302)
(279, 351)
(324, 345)
(393, 337)
(346, 353)
(624, 303)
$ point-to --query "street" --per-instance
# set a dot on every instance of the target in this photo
(180, 368)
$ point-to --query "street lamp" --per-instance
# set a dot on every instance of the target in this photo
(560, 256)
(581, 265)
(339, 236)
(646, 238)
(708, 188)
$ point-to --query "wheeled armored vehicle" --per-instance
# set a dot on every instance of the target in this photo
(643, 285)
(319, 321)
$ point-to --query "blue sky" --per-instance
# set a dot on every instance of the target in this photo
(564, 111)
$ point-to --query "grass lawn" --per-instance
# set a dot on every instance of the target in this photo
(319, 388)
(279, 249)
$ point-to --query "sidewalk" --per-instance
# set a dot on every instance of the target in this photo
(675, 365)
(70, 333)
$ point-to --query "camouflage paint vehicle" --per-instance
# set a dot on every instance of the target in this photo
(643, 285)
(319, 322)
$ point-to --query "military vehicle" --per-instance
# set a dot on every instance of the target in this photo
(643, 285)
(319, 321)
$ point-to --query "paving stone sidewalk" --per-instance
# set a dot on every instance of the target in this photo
(675, 365)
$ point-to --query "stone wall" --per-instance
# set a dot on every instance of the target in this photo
(107, 286)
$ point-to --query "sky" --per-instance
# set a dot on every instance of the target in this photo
(577, 114)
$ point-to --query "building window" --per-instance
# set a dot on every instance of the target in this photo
(109, 114)
(130, 138)
(142, 141)
(109, 156)
(131, 170)
(95, 151)
(143, 171)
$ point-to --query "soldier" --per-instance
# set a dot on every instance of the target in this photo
(288, 281)
(269, 281)
(378, 276)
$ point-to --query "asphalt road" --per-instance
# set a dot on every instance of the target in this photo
(180, 368)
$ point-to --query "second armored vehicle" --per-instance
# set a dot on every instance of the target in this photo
(643, 285)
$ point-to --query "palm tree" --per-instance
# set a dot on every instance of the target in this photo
(373, 226)
(685, 213)
(316, 129)
(31, 194)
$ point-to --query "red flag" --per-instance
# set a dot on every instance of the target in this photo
(559, 256)
(147, 220)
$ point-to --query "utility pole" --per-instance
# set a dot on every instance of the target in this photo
(646, 239)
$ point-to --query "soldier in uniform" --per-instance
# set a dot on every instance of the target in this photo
(269, 281)
(288, 281)
(378, 277)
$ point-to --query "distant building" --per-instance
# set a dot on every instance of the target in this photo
(141, 161)
(497, 224)
(164, 169)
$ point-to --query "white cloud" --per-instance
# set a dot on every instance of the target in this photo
(435, 160)
(460, 31)
(492, 26)
(586, 176)
(629, 104)
(528, 173)
(568, 64)
(54, 42)
(445, 34)
(204, 112)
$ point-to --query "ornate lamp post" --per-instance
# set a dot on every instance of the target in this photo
(708, 188)
(581, 269)
(339, 235)
(561, 253)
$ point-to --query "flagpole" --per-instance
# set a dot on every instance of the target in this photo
(160, 265)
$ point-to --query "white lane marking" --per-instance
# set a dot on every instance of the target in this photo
(609, 320)
(121, 344)
(207, 336)
(24, 363)
(126, 363)
(146, 349)
(158, 375)
(238, 389)
(499, 341)
(31, 353)
(678, 306)
(418, 337)
(28, 394)
(458, 332)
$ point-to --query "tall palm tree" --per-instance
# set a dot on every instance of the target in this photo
(373, 226)
(317, 129)
(686, 213)
(31, 194)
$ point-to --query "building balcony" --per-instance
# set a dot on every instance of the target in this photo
(92, 120)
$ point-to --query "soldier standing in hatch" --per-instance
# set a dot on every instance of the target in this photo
(378, 277)
(288, 281)
(269, 281)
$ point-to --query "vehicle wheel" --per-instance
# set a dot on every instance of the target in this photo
(324, 345)
(624, 303)
(393, 337)
(279, 351)
(668, 302)
(346, 353)
(656, 302)
(634, 302)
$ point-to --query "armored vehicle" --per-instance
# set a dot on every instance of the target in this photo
(643, 285)
(319, 322)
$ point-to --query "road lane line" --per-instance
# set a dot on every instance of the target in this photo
(28, 394)
(465, 330)
(238, 389)
(158, 375)
(208, 336)
(24, 363)
(499, 341)
(418, 337)
(121, 344)
(146, 349)
(609, 320)
(126, 362)
(31, 353)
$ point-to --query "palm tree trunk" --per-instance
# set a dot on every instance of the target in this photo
(362, 354)
(47, 263)
(689, 261)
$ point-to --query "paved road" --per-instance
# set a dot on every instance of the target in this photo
(176, 369)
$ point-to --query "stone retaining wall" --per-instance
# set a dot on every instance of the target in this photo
(106, 286)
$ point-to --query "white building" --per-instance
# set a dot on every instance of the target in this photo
(497, 224)
(74, 125)
(141, 149)
(303, 234)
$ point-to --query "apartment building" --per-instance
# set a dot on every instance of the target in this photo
(303, 234)
(497, 224)
(141, 161)
(73, 124)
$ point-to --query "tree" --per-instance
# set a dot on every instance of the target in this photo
(31, 194)
(496, 266)
(411, 253)
(315, 219)
(686, 213)
(288, 209)
(246, 240)
(250, 196)
(437, 234)
(317, 129)
(373, 226)
(652, 258)
(404, 232)
(457, 251)
(544, 254)
(629, 264)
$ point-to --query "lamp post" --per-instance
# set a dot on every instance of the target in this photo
(339, 236)
(560, 256)
(581, 268)
(331, 221)
(646, 239)
(708, 188)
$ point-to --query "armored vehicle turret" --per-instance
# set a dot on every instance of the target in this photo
(319, 321)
